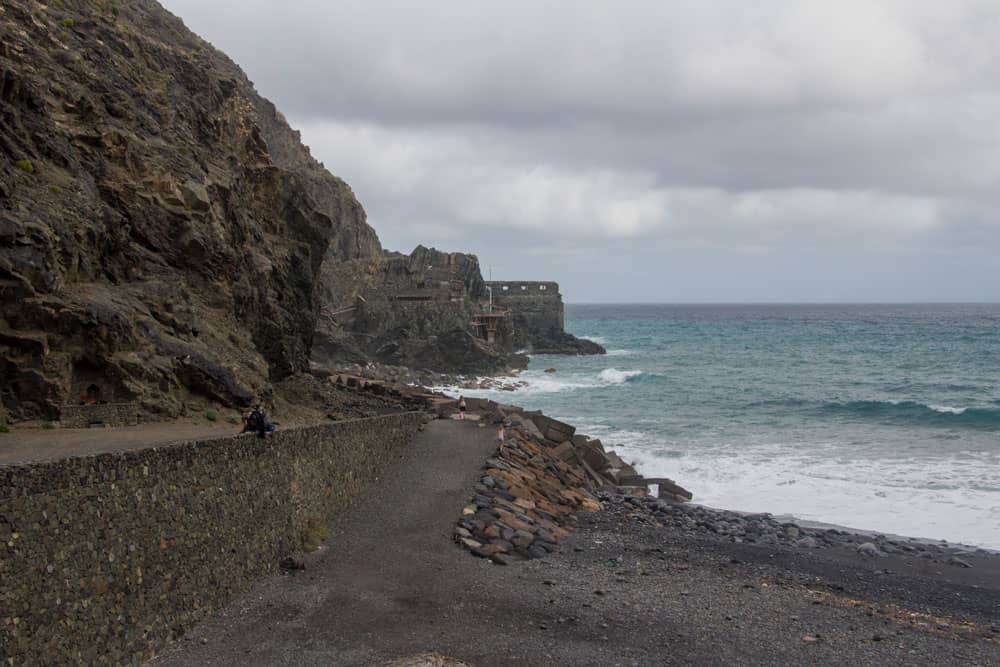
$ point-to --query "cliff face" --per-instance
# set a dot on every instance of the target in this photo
(407, 310)
(536, 312)
(162, 229)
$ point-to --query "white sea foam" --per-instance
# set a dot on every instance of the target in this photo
(615, 376)
(619, 353)
(537, 382)
(954, 499)
(948, 409)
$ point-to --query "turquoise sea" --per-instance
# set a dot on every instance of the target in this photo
(882, 417)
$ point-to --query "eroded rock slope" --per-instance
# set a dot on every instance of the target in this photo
(162, 228)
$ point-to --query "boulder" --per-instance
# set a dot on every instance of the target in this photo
(553, 429)
(669, 489)
(869, 549)
(593, 456)
(564, 452)
(614, 460)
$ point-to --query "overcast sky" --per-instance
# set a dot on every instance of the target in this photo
(655, 151)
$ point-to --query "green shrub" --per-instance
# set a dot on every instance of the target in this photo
(48, 425)
(55, 189)
(233, 419)
(313, 535)
(68, 23)
(25, 165)
(4, 428)
(211, 415)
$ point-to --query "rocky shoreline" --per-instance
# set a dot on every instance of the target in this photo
(509, 518)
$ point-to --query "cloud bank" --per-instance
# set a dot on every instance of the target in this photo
(651, 151)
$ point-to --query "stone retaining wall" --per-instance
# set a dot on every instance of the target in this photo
(104, 414)
(104, 559)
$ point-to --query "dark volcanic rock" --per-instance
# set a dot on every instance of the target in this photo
(537, 318)
(410, 310)
(162, 229)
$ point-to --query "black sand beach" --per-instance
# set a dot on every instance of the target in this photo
(621, 591)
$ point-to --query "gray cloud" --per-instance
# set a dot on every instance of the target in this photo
(703, 151)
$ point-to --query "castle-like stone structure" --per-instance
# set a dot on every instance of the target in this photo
(537, 317)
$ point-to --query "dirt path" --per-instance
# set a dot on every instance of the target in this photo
(24, 445)
(391, 583)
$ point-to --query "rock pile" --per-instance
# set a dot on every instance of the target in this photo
(525, 502)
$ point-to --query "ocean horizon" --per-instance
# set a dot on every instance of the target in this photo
(877, 416)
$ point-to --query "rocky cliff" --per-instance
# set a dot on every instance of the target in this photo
(410, 310)
(162, 229)
(167, 240)
(536, 318)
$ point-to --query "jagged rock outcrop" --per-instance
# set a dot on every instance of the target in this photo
(536, 310)
(162, 229)
(410, 310)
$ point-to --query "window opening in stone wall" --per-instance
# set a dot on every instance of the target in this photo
(524, 287)
(543, 287)
(93, 395)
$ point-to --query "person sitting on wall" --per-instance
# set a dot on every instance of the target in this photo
(256, 421)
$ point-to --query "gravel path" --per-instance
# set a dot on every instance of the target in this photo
(22, 445)
(623, 591)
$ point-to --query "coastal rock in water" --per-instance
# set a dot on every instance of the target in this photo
(537, 318)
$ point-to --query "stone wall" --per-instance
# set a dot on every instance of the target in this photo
(106, 558)
(103, 414)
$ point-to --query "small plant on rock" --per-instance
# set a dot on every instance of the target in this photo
(233, 419)
(4, 428)
(313, 534)
(211, 415)
(26, 166)
(68, 23)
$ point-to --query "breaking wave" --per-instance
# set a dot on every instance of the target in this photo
(615, 376)
(917, 414)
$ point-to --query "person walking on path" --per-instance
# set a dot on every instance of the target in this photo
(461, 407)
(501, 437)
